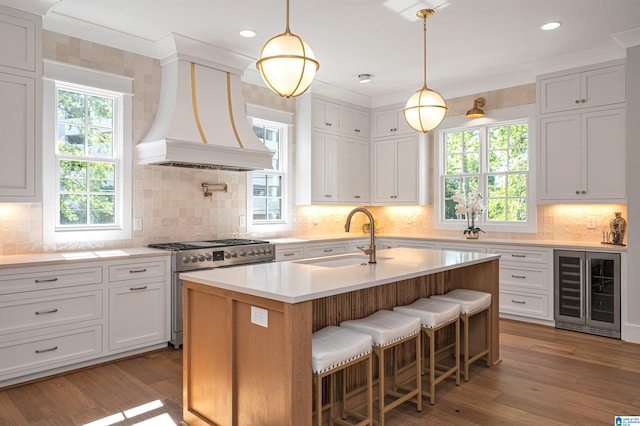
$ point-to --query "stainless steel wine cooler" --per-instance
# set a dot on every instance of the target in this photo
(587, 292)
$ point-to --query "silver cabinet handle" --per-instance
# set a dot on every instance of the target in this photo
(137, 271)
(47, 280)
(327, 250)
(357, 196)
(327, 196)
(144, 287)
(50, 311)
(519, 276)
(521, 302)
(519, 255)
(41, 351)
(288, 254)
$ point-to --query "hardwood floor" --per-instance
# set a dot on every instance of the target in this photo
(547, 376)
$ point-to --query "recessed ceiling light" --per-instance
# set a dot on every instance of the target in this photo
(551, 25)
(248, 33)
(364, 78)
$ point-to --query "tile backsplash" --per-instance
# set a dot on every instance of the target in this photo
(171, 203)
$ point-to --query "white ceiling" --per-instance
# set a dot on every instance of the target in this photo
(472, 45)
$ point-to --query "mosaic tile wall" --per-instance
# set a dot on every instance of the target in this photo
(170, 201)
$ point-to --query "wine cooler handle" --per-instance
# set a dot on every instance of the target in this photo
(582, 289)
(588, 290)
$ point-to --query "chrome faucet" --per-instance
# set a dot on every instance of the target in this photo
(371, 251)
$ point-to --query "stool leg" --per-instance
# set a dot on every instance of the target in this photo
(418, 371)
(489, 336)
(370, 389)
(318, 387)
(465, 326)
(457, 351)
(432, 367)
(381, 386)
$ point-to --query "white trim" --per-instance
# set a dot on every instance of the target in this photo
(123, 202)
(260, 112)
(494, 117)
(59, 71)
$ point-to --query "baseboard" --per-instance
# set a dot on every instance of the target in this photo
(631, 333)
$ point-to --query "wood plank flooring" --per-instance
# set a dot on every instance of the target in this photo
(547, 376)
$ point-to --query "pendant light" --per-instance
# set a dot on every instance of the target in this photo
(426, 108)
(287, 64)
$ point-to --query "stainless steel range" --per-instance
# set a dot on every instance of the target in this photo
(200, 255)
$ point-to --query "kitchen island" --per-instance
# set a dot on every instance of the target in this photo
(247, 346)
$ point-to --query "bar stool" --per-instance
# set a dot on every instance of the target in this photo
(436, 315)
(472, 302)
(334, 349)
(389, 330)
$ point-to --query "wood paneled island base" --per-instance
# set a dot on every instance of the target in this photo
(239, 373)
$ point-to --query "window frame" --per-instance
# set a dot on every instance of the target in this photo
(501, 117)
(283, 121)
(68, 77)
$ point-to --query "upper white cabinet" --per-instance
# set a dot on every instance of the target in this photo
(582, 149)
(332, 152)
(399, 171)
(355, 122)
(20, 105)
(602, 85)
(327, 115)
(390, 122)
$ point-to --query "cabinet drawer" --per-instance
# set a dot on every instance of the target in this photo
(289, 253)
(52, 310)
(46, 278)
(50, 351)
(524, 278)
(328, 250)
(525, 256)
(138, 270)
(530, 305)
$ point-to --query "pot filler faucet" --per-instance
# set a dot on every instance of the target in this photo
(371, 251)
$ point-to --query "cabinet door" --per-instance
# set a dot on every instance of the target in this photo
(390, 122)
(20, 51)
(137, 315)
(604, 152)
(560, 93)
(384, 163)
(356, 171)
(560, 157)
(603, 86)
(355, 122)
(407, 171)
(327, 115)
(17, 118)
(325, 168)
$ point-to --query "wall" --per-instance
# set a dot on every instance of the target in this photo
(170, 200)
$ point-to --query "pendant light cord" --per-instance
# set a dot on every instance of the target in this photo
(287, 30)
(424, 63)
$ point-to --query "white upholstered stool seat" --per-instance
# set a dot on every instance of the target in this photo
(436, 315)
(388, 330)
(472, 302)
(334, 349)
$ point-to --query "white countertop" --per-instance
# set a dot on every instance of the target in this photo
(301, 280)
(36, 259)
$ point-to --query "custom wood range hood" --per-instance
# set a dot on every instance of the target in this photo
(201, 122)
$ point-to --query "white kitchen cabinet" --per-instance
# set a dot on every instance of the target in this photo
(390, 122)
(325, 249)
(356, 181)
(327, 115)
(289, 252)
(356, 122)
(526, 290)
(21, 106)
(326, 168)
(582, 156)
(399, 171)
(333, 161)
(57, 317)
(596, 86)
(471, 247)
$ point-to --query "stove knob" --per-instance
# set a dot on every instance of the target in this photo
(267, 251)
(262, 251)
(243, 253)
(227, 255)
(252, 253)
(201, 258)
(234, 255)
(208, 256)
(185, 259)
(193, 259)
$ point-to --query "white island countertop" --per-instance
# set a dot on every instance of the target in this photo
(308, 279)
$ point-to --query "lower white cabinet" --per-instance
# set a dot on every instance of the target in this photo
(136, 314)
(59, 317)
(526, 289)
(289, 253)
(325, 249)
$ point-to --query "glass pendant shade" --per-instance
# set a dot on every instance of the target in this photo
(287, 65)
(425, 110)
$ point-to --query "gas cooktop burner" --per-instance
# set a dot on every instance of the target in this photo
(191, 245)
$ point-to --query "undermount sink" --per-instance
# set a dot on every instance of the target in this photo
(355, 259)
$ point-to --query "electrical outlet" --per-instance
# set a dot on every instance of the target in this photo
(137, 224)
(316, 220)
(243, 220)
(591, 222)
(409, 218)
(260, 316)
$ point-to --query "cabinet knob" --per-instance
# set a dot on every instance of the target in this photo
(357, 130)
(327, 195)
(577, 192)
(577, 101)
(327, 124)
(583, 100)
(357, 196)
(583, 192)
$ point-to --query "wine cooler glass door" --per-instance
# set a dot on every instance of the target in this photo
(603, 287)
(569, 287)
